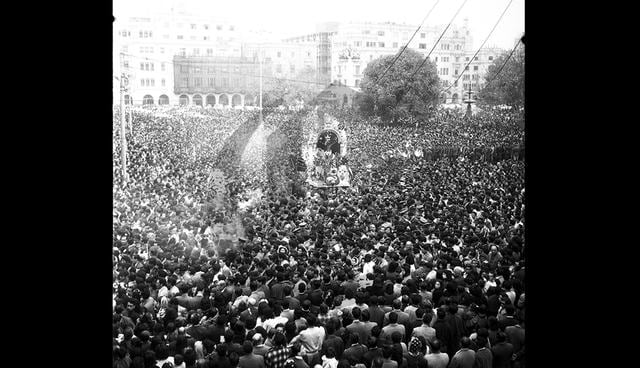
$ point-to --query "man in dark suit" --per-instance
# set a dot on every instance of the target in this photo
(502, 352)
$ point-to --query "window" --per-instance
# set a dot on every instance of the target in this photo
(180, 37)
(185, 82)
(436, 59)
(125, 64)
(162, 82)
(193, 26)
(357, 69)
(125, 49)
(457, 59)
(278, 68)
(366, 31)
(357, 82)
(209, 52)
(219, 28)
(423, 35)
(357, 43)
(466, 59)
(445, 59)
(206, 26)
(183, 51)
(380, 33)
(475, 67)
(490, 58)
(474, 77)
(162, 50)
(279, 54)
(205, 38)
(162, 67)
(196, 51)
(197, 82)
(292, 68)
(443, 71)
(211, 82)
(141, 82)
(231, 28)
(184, 69)
(395, 45)
(456, 72)
(153, 82)
(151, 66)
(475, 58)
(458, 47)
(466, 67)
(140, 34)
(444, 46)
(465, 77)
(422, 46)
(141, 66)
(380, 44)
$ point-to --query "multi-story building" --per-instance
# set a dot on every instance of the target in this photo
(355, 45)
(221, 81)
(321, 41)
(286, 60)
(145, 47)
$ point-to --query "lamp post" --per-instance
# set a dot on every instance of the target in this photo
(123, 149)
(469, 101)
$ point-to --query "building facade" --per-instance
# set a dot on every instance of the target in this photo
(355, 45)
(217, 81)
(144, 48)
(321, 42)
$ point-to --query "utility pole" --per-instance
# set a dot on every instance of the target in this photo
(260, 58)
(123, 137)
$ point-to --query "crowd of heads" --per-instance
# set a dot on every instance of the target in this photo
(421, 261)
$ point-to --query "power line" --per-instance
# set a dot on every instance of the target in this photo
(407, 45)
(505, 62)
(410, 86)
(438, 40)
(480, 48)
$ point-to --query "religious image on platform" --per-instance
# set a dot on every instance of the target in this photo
(335, 187)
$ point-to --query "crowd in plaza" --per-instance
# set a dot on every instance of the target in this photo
(420, 263)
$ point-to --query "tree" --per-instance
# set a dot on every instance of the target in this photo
(506, 88)
(399, 93)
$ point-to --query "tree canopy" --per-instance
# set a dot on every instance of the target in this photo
(506, 88)
(399, 93)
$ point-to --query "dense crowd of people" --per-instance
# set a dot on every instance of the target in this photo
(420, 263)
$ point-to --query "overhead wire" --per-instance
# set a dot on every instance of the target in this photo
(407, 45)
(480, 48)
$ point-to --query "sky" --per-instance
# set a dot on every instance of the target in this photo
(298, 17)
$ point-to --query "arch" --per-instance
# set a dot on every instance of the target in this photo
(184, 100)
(211, 100)
(236, 100)
(163, 100)
(454, 98)
(147, 100)
(249, 100)
(197, 100)
(329, 140)
(223, 100)
(443, 98)
(128, 100)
